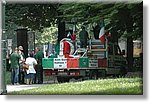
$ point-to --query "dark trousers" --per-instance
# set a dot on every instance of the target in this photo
(83, 43)
(39, 74)
(21, 75)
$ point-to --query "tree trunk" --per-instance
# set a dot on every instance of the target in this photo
(130, 53)
(61, 30)
(22, 40)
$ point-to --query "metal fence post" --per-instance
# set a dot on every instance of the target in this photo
(3, 52)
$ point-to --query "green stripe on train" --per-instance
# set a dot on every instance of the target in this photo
(48, 63)
(83, 62)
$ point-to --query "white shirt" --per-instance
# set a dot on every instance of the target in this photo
(31, 62)
(21, 57)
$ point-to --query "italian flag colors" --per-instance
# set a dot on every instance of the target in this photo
(58, 63)
(102, 32)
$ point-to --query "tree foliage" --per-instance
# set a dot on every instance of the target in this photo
(49, 35)
(37, 17)
(34, 16)
(119, 17)
(116, 15)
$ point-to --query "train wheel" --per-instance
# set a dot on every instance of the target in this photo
(60, 79)
(103, 74)
(66, 79)
(93, 74)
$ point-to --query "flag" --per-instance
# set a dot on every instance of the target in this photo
(102, 33)
(69, 35)
(109, 34)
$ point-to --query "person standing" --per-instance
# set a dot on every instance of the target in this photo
(39, 75)
(96, 31)
(14, 59)
(74, 40)
(74, 36)
(30, 73)
(83, 35)
(21, 61)
(66, 49)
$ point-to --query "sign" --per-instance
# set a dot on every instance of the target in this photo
(9, 42)
(60, 62)
(93, 63)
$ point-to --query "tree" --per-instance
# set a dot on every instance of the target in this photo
(47, 36)
(121, 19)
(33, 16)
(116, 15)
(131, 23)
(40, 16)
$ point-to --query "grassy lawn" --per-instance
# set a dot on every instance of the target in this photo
(8, 77)
(119, 86)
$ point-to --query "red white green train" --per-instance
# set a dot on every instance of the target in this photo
(97, 61)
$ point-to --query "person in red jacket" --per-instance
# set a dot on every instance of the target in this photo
(66, 49)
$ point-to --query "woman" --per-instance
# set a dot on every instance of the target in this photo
(31, 61)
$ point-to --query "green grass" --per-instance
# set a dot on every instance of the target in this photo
(119, 86)
(8, 77)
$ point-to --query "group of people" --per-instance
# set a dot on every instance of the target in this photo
(34, 73)
(83, 36)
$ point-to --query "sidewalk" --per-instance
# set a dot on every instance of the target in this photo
(11, 88)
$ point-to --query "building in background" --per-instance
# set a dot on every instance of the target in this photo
(137, 47)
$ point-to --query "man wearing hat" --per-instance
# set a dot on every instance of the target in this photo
(21, 61)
